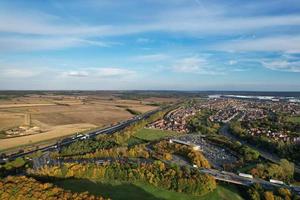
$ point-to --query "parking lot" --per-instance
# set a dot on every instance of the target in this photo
(217, 156)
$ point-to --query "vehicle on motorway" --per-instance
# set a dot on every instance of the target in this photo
(3, 160)
(100, 162)
(86, 136)
(246, 175)
(276, 181)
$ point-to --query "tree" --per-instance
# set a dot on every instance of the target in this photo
(285, 193)
(268, 195)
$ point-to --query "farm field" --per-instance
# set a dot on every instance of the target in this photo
(57, 132)
(57, 115)
(119, 190)
(154, 134)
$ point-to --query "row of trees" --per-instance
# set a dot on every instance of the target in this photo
(195, 157)
(256, 192)
(138, 151)
(283, 171)
(86, 146)
(21, 187)
(157, 173)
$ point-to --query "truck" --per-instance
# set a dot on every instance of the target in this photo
(276, 181)
(246, 175)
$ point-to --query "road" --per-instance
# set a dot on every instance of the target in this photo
(223, 176)
(266, 155)
(66, 141)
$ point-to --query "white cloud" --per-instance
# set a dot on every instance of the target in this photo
(281, 43)
(194, 64)
(41, 24)
(77, 73)
(207, 20)
(282, 65)
(18, 73)
(143, 40)
(104, 72)
(112, 71)
(190, 65)
(151, 57)
(232, 62)
(44, 43)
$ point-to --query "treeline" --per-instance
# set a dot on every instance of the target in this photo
(256, 192)
(283, 171)
(200, 123)
(137, 151)
(195, 157)
(173, 178)
(85, 146)
(13, 167)
(21, 187)
(283, 149)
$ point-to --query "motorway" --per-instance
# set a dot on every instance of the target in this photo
(66, 141)
(266, 155)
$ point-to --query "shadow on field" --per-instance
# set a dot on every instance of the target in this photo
(115, 191)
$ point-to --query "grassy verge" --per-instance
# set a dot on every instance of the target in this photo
(153, 134)
(134, 141)
(118, 190)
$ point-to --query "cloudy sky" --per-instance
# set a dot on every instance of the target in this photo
(150, 44)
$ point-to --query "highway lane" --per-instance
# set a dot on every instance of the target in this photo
(66, 141)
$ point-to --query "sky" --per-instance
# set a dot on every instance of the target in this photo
(150, 45)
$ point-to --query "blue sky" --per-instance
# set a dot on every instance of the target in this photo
(150, 44)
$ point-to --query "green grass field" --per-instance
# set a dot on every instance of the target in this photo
(295, 119)
(134, 141)
(117, 190)
(153, 134)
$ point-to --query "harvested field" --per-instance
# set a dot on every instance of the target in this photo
(23, 105)
(51, 112)
(56, 132)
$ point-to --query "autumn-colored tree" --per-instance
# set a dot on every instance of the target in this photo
(157, 174)
(21, 187)
(268, 195)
